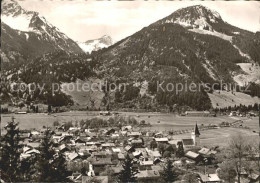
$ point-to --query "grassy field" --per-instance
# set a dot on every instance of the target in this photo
(220, 137)
(167, 122)
(175, 122)
(225, 99)
(82, 96)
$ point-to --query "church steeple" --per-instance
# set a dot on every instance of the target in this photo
(196, 130)
(195, 135)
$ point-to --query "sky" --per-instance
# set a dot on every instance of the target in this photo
(83, 20)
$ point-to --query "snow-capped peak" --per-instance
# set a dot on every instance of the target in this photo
(15, 16)
(28, 21)
(96, 44)
(34, 28)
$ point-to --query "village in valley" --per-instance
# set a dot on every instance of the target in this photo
(101, 148)
(130, 92)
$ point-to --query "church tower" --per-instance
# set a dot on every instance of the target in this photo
(196, 136)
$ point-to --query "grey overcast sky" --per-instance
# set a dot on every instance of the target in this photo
(82, 20)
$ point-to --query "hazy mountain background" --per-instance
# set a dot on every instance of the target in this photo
(96, 44)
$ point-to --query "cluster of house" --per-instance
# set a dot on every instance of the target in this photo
(213, 114)
(97, 150)
(238, 113)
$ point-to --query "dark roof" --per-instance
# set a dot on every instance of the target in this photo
(196, 130)
(98, 170)
(101, 161)
(187, 142)
(80, 140)
(100, 153)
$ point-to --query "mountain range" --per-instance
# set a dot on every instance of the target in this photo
(193, 44)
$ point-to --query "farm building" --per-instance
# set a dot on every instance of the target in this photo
(210, 178)
(194, 156)
(104, 113)
(161, 140)
(233, 113)
(197, 113)
(21, 112)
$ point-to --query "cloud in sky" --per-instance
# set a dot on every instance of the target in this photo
(83, 20)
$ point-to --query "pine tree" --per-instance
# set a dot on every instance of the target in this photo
(167, 175)
(180, 150)
(153, 144)
(44, 160)
(190, 178)
(49, 109)
(60, 171)
(10, 152)
(27, 169)
(50, 167)
(127, 175)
